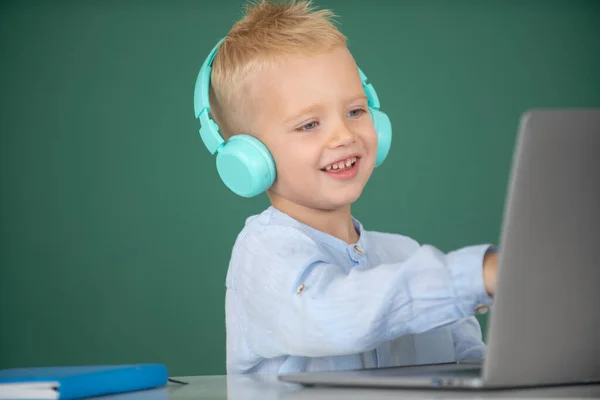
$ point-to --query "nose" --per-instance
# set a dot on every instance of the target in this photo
(341, 136)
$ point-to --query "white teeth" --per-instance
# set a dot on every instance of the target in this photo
(342, 164)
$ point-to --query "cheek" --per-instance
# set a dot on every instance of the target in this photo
(370, 143)
(294, 161)
(370, 139)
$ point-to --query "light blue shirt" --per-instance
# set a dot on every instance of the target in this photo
(298, 300)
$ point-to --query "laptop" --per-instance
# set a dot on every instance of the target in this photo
(544, 327)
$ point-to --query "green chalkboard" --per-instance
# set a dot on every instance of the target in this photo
(115, 232)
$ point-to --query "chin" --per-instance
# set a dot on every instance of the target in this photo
(340, 200)
(326, 197)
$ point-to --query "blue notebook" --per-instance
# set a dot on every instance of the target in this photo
(79, 382)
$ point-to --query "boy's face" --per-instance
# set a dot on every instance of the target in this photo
(312, 114)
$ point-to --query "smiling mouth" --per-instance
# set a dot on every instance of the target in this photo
(341, 166)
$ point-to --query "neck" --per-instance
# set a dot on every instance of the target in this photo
(337, 223)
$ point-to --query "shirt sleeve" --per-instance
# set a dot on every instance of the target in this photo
(291, 301)
(468, 339)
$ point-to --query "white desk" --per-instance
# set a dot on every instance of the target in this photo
(268, 388)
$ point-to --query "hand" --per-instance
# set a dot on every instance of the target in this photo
(490, 270)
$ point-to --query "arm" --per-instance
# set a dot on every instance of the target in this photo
(339, 313)
(466, 333)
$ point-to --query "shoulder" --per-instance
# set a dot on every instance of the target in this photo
(391, 240)
(272, 231)
(270, 241)
(390, 247)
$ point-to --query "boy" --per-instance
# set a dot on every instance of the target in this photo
(308, 288)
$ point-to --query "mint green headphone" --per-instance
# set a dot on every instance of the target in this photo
(244, 163)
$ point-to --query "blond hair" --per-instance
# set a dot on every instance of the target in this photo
(267, 31)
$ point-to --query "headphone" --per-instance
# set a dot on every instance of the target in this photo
(244, 163)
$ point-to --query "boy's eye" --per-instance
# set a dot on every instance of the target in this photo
(356, 112)
(308, 127)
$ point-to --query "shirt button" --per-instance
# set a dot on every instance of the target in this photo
(481, 309)
(358, 249)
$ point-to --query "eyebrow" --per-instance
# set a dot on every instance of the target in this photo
(306, 110)
(314, 107)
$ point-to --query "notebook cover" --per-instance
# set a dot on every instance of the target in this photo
(87, 381)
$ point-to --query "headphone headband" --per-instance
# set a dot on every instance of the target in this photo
(201, 90)
(211, 137)
(201, 99)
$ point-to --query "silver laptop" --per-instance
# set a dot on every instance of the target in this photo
(544, 326)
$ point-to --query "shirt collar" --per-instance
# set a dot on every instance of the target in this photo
(326, 238)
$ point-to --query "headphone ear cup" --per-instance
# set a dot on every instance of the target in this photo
(245, 165)
(383, 127)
